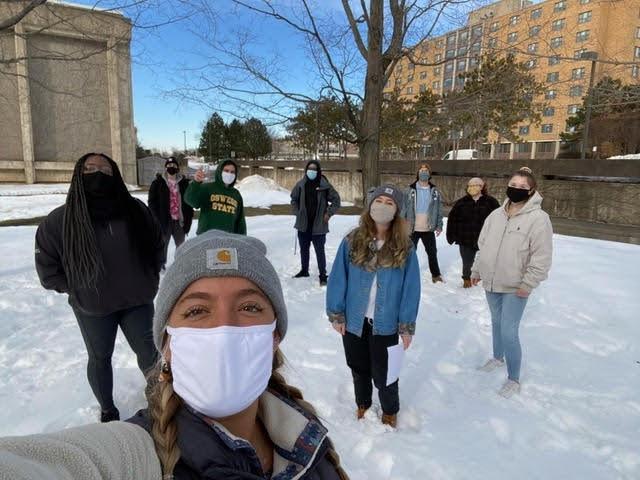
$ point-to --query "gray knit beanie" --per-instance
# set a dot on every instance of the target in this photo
(218, 254)
(390, 191)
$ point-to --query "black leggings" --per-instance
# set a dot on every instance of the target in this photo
(429, 242)
(99, 335)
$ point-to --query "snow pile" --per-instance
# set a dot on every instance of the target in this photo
(578, 415)
(631, 156)
(261, 192)
(20, 190)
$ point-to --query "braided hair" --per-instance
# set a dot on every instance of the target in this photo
(82, 260)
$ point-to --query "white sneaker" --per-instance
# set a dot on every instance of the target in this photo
(509, 389)
(491, 365)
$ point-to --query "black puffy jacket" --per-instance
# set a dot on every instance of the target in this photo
(466, 218)
(159, 203)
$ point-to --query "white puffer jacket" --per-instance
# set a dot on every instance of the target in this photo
(515, 252)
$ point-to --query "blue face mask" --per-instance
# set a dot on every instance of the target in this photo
(424, 176)
(312, 174)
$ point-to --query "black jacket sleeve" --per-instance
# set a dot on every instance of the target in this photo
(153, 200)
(48, 253)
(452, 226)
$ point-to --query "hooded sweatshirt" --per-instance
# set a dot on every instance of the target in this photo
(221, 206)
(515, 252)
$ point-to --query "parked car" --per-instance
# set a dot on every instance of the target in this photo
(462, 154)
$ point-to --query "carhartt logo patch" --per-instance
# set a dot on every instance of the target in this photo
(388, 191)
(222, 259)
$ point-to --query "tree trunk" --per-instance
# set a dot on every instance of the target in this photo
(369, 142)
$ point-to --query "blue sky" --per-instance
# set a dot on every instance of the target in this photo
(161, 56)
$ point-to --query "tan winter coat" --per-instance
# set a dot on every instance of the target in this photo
(514, 252)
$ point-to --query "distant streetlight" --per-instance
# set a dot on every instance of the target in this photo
(593, 56)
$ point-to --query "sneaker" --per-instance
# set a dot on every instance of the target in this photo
(491, 365)
(509, 389)
(360, 412)
(437, 279)
(301, 274)
(391, 420)
(109, 415)
(323, 280)
(466, 283)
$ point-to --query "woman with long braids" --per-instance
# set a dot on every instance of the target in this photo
(373, 297)
(220, 408)
(104, 249)
(516, 249)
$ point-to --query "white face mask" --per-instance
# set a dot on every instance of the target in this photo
(382, 213)
(221, 371)
(228, 177)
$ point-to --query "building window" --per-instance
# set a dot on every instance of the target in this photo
(492, 42)
(557, 25)
(459, 82)
(545, 147)
(535, 31)
(412, 66)
(423, 87)
(462, 51)
(531, 63)
(504, 148)
(423, 75)
(439, 44)
(549, 112)
(473, 63)
(450, 53)
(556, 42)
(524, 147)
(575, 91)
(514, 20)
(577, 73)
(573, 109)
(448, 67)
(409, 78)
(547, 128)
(584, 2)
(637, 52)
(582, 36)
(512, 37)
(637, 32)
(461, 66)
(448, 83)
(437, 70)
(463, 37)
(532, 47)
(560, 6)
(635, 70)
(476, 31)
(553, 77)
(535, 14)
(555, 60)
(578, 53)
(475, 47)
(584, 17)
(438, 57)
(398, 81)
(524, 130)
(409, 90)
(494, 27)
(451, 40)
(435, 85)
(550, 94)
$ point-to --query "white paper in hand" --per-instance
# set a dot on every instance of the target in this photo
(394, 365)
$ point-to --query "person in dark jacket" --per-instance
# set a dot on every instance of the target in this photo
(220, 203)
(166, 201)
(465, 222)
(314, 202)
(423, 212)
(221, 409)
(104, 249)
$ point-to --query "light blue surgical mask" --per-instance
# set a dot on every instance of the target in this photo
(312, 174)
(424, 176)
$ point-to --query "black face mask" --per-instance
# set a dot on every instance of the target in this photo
(98, 184)
(172, 170)
(517, 195)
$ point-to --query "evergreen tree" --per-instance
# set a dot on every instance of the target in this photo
(213, 141)
(257, 140)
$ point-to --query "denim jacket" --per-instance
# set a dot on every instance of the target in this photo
(397, 298)
(434, 213)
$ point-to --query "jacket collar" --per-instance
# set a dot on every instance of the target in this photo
(164, 176)
(414, 184)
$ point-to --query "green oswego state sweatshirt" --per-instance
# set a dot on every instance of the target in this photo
(220, 205)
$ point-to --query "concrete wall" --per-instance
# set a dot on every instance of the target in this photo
(605, 191)
(69, 93)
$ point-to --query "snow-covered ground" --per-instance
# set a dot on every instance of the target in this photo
(261, 192)
(631, 156)
(578, 415)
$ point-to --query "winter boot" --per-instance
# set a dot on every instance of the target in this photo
(466, 283)
(391, 420)
(361, 411)
(509, 389)
(109, 415)
(301, 274)
(491, 365)
(323, 280)
(437, 279)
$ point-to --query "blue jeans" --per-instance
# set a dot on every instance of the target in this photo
(506, 312)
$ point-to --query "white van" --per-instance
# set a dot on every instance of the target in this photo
(462, 154)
